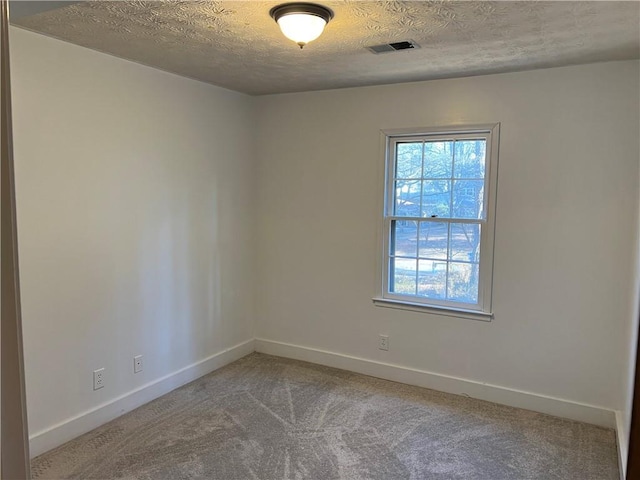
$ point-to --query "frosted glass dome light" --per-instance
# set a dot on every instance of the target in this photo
(301, 22)
(301, 27)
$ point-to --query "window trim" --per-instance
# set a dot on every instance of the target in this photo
(483, 310)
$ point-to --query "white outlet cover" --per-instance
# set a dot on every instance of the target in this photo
(383, 342)
(98, 379)
(137, 364)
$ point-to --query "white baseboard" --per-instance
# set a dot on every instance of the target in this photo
(623, 447)
(506, 396)
(69, 429)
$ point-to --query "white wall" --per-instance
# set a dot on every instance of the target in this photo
(134, 194)
(566, 216)
(630, 346)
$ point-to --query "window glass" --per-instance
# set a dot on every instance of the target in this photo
(438, 220)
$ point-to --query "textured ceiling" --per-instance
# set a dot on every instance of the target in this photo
(235, 44)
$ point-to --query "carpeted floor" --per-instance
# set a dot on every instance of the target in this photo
(269, 418)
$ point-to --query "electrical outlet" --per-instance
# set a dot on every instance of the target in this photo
(137, 364)
(383, 342)
(98, 379)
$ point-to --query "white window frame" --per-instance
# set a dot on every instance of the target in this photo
(483, 309)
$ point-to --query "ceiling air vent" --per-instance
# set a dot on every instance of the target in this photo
(392, 47)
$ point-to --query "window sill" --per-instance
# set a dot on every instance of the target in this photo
(431, 309)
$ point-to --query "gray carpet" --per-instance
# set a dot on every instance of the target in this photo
(265, 417)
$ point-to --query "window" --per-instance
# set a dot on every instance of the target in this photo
(439, 219)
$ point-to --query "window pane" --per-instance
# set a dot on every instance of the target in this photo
(465, 242)
(409, 160)
(436, 198)
(404, 237)
(462, 282)
(468, 198)
(432, 279)
(470, 158)
(407, 202)
(433, 240)
(436, 213)
(402, 277)
(438, 159)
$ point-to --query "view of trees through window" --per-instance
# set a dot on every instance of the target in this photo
(438, 212)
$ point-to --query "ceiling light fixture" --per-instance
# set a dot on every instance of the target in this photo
(301, 22)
